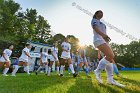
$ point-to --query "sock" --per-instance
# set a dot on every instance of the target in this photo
(15, 70)
(61, 69)
(77, 68)
(49, 71)
(46, 68)
(57, 69)
(68, 70)
(39, 69)
(101, 66)
(72, 69)
(5, 71)
(109, 70)
(27, 69)
(86, 70)
(116, 71)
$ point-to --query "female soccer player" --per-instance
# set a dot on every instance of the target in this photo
(43, 60)
(83, 59)
(54, 58)
(23, 60)
(5, 59)
(65, 56)
(101, 40)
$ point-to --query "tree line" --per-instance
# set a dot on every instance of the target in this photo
(18, 26)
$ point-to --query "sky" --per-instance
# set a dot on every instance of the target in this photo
(66, 18)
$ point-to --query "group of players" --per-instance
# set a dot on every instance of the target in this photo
(66, 56)
(101, 41)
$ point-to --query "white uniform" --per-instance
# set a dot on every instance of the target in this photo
(55, 52)
(24, 57)
(98, 39)
(44, 57)
(7, 53)
(66, 46)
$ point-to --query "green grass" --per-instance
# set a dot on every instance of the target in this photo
(67, 84)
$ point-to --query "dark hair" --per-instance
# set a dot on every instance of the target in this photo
(94, 16)
(10, 45)
(41, 50)
(27, 45)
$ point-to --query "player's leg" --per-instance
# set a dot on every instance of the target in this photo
(57, 67)
(104, 48)
(6, 68)
(49, 68)
(71, 67)
(63, 61)
(26, 68)
(86, 64)
(15, 69)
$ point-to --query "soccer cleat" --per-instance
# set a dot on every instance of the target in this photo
(74, 75)
(13, 75)
(61, 75)
(113, 82)
(5, 75)
(97, 75)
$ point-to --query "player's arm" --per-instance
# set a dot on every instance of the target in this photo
(105, 37)
(26, 53)
(40, 58)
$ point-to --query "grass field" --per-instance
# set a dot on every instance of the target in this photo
(67, 84)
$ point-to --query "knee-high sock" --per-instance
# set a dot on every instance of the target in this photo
(86, 70)
(69, 70)
(116, 71)
(101, 66)
(61, 69)
(15, 69)
(46, 68)
(27, 69)
(39, 69)
(109, 70)
(72, 69)
(5, 71)
(49, 71)
(57, 69)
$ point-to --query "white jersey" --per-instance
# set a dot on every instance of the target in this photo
(23, 55)
(44, 57)
(7, 53)
(67, 47)
(101, 27)
(55, 51)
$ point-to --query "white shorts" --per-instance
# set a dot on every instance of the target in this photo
(23, 60)
(3, 60)
(53, 59)
(65, 55)
(44, 61)
(99, 42)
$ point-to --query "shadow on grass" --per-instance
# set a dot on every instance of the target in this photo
(83, 86)
(30, 84)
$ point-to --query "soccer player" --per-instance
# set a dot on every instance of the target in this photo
(83, 59)
(23, 60)
(54, 58)
(65, 56)
(43, 60)
(101, 40)
(5, 59)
